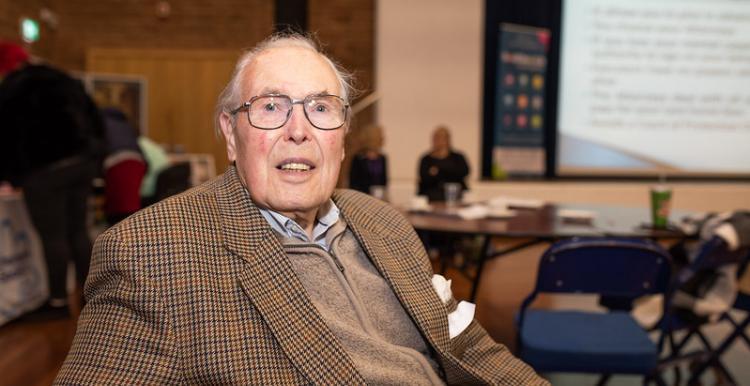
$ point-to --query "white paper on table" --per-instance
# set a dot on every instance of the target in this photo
(508, 202)
(473, 212)
(576, 214)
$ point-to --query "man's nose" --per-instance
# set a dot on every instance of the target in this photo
(298, 128)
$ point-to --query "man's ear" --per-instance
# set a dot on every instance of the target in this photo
(227, 128)
(343, 152)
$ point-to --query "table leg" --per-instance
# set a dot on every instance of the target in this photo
(487, 253)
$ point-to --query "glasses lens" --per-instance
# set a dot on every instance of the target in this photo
(325, 111)
(269, 112)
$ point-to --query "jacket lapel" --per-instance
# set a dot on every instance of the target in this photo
(394, 259)
(271, 284)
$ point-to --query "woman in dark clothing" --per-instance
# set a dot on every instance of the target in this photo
(440, 166)
(369, 165)
(51, 143)
(437, 167)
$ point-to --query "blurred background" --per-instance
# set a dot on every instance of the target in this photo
(419, 64)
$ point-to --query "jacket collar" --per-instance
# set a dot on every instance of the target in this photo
(270, 283)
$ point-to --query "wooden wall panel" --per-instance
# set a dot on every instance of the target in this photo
(182, 89)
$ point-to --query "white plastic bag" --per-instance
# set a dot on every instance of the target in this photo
(23, 273)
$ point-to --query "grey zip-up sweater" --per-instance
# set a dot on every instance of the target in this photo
(362, 311)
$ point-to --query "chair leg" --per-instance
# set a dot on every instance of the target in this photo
(739, 328)
(728, 379)
(677, 375)
(722, 374)
(604, 379)
(704, 340)
(677, 347)
(654, 376)
(714, 360)
(674, 350)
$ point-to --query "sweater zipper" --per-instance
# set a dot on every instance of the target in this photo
(335, 259)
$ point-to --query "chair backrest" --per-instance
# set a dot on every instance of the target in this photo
(716, 252)
(172, 180)
(605, 266)
(626, 268)
(711, 255)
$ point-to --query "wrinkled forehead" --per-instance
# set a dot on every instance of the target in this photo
(294, 71)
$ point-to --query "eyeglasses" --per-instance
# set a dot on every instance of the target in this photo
(271, 111)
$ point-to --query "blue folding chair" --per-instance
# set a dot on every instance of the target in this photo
(712, 255)
(594, 342)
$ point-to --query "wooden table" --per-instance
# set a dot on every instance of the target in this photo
(540, 225)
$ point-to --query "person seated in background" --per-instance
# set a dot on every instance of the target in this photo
(266, 274)
(124, 167)
(369, 165)
(441, 165)
(437, 167)
(51, 144)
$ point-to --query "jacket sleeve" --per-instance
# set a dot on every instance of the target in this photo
(493, 361)
(474, 351)
(124, 333)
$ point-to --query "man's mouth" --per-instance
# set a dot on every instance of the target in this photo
(295, 166)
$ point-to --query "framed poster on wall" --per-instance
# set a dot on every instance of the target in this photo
(127, 93)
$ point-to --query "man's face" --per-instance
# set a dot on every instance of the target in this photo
(441, 140)
(293, 169)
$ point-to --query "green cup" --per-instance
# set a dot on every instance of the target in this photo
(660, 200)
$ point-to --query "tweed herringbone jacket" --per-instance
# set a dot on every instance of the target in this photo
(197, 289)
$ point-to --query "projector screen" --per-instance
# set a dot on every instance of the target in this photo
(654, 87)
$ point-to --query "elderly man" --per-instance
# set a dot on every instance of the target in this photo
(266, 275)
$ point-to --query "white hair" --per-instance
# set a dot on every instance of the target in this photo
(231, 96)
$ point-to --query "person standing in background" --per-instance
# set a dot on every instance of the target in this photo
(441, 165)
(369, 165)
(51, 145)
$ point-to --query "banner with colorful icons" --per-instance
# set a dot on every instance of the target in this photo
(518, 145)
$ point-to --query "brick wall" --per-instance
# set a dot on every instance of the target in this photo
(11, 12)
(219, 24)
(347, 30)
(345, 27)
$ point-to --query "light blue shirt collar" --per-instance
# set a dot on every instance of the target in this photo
(328, 215)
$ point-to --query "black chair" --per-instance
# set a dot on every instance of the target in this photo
(170, 181)
(712, 255)
(594, 342)
(742, 303)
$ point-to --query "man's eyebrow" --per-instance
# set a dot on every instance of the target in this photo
(267, 91)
